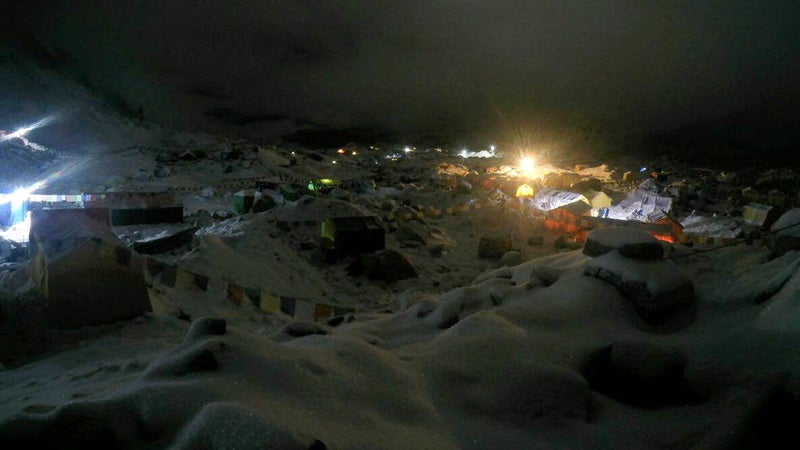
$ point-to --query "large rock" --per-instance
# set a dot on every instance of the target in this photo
(493, 246)
(385, 265)
(630, 242)
(413, 231)
(657, 287)
(788, 229)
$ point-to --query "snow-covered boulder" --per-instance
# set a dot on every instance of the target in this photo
(656, 287)
(493, 246)
(630, 242)
(789, 237)
(512, 258)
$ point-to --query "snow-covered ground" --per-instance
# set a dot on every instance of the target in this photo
(547, 348)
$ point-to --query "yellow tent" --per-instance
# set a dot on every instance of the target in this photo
(524, 190)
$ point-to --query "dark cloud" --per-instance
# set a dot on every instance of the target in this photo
(425, 65)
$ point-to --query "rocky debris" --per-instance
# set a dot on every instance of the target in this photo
(641, 373)
(630, 242)
(166, 157)
(388, 205)
(788, 238)
(384, 265)
(657, 288)
(493, 246)
(413, 232)
(162, 172)
(536, 240)
(342, 194)
(142, 175)
(405, 213)
(563, 243)
(263, 203)
(188, 155)
(512, 258)
(203, 219)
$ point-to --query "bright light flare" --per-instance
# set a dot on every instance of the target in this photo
(407, 150)
(22, 132)
(526, 165)
(19, 133)
(528, 168)
(20, 194)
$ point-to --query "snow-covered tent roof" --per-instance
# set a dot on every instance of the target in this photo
(65, 227)
(548, 199)
(641, 205)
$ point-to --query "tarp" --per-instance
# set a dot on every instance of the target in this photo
(642, 206)
(548, 199)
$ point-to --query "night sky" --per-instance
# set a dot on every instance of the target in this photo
(422, 66)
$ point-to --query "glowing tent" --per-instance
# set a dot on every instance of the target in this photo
(524, 190)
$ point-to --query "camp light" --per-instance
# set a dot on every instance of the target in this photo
(526, 164)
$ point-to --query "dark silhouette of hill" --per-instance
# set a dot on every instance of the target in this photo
(765, 135)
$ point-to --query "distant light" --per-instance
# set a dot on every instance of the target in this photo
(642, 169)
(340, 151)
(334, 161)
(439, 150)
(355, 153)
(293, 153)
(407, 150)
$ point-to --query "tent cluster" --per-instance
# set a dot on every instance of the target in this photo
(575, 213)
